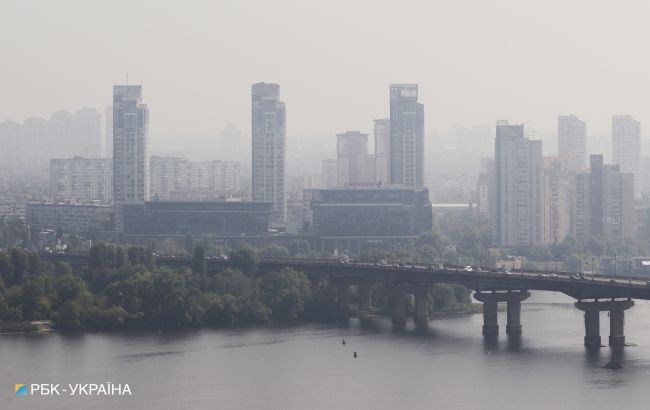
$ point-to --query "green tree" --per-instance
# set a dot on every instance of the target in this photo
(244, 260)
(232, 282)
(164, 300)
(6, 268)
(286, 293)
(443, 296)
(20, 262)
(274, 251)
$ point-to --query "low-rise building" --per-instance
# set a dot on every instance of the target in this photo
(348, 217)
(72, 218)
(227, 219)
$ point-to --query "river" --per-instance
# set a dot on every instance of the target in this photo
(307, 367)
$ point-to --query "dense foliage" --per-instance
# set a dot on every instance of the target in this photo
(121, 287)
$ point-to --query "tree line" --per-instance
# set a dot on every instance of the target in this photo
(121, 287)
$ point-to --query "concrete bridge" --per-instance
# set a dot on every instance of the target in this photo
(594, 294)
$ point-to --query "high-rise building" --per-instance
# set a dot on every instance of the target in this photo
(486, 192)
(604, 202)
(87, 133)
(382, 150)
(406, 136)
(328, 173)
(31, 145)
(518, 166)
(572, 142)
(130, 146)
(626, 147)
(82, 179)
(352, 158)
(268, 149)
(558, 197)
(108, 132)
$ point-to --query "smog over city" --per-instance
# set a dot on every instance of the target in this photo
(344, 204)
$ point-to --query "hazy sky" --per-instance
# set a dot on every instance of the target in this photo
(476, 61)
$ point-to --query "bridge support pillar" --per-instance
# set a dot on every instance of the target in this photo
(592, 328)
(513, 326)
(398, 314)
(365, 296)
(490, 323)
(343, 299)
(421, 307)
(616, 310)
(617, 323)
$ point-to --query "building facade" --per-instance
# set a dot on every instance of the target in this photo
(626, 147)
(518, 166)
(329, 169)
(130, 145)
(352, 158)
(70, 218)
(349, 217)
(558, 200)
(175, 178)
(82, 179)
(382, 151)
(572, 142)
(406, 136)
(226, 219)
(268, 149)
(604, 202)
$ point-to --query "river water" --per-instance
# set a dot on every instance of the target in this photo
(307, 367)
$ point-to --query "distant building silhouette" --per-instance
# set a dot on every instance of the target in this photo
(352, 158)
(382, 150)
(626, 147)
(572, 142)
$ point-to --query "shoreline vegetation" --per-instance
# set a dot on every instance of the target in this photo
(121, 288)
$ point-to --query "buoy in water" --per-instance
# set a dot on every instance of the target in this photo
(343, 342)
(355, 355)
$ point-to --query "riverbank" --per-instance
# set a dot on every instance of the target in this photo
(40, 326)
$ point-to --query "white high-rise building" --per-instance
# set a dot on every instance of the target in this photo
(626, 147)
(572, 142)
(130, 146)
(268, 149)
(518, 166)
(382, 151)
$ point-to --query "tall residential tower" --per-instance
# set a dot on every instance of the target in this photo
(406, 136)
(130, 146)
(268, 149)
(518, 166)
